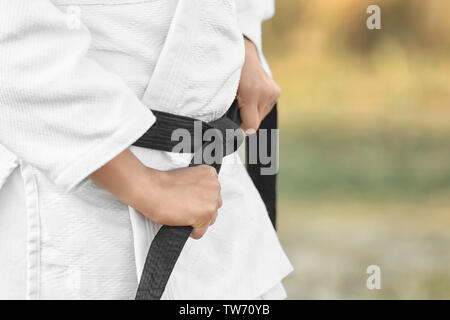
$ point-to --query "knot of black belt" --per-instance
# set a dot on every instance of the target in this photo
(169, 241)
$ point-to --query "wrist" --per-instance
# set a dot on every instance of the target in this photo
(146, 192)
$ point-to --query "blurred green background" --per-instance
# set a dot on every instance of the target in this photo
(364, 146)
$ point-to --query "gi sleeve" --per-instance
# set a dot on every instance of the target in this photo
(251, 14)
(59, 110)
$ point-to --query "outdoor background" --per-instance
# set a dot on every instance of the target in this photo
(364, 146)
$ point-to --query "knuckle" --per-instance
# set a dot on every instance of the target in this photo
(212, 170)
(212, 211)
(208, 169)
(273, 92)
(279, 90)
(276, 90)
(277, 94)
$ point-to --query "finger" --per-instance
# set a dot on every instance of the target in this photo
(219, 204)
(213, 220)
(250, 117)
(198, 232)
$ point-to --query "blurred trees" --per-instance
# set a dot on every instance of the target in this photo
(325, 58)
(340, 24)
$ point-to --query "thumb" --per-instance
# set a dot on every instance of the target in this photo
(250, 116)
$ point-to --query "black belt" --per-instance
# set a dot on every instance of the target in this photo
(169, 241)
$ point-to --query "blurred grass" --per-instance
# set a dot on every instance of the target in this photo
(364, 146)
(331, 244)
(377, 164)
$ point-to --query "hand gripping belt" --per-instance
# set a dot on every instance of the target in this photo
(169, 241)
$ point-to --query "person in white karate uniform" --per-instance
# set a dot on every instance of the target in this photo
(79, 206)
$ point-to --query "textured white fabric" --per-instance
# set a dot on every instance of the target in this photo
(60, 111)
(250, 15)
(71, 99)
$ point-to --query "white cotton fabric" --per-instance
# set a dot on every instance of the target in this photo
(73, 98)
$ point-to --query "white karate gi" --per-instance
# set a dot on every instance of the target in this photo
(76, 88)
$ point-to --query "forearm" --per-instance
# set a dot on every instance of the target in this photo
(128, 179)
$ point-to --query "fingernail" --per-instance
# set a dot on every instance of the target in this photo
(250, 131)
